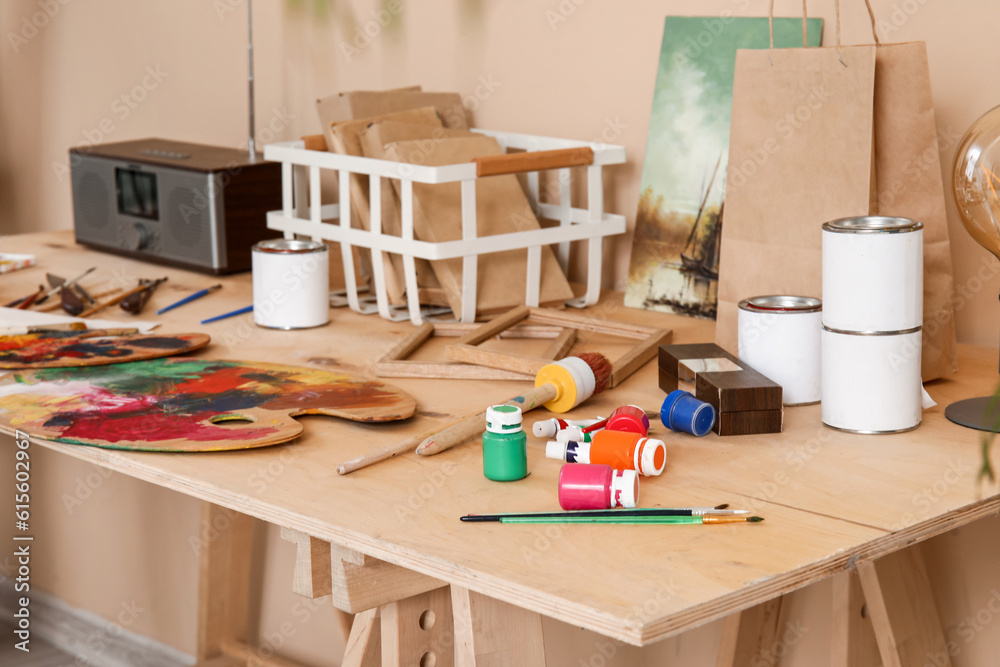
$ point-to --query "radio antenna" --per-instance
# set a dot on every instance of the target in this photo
(253, 153)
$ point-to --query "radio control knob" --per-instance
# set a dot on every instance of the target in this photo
(136, 236)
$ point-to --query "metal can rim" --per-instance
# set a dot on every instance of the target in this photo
(289, 246)
(873, 224)
(896, 332)
(781, 304)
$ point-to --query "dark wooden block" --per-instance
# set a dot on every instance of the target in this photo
(748, 423)
(725, 382)
(738, 391)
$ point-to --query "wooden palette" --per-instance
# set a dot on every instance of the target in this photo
(62, 349)
(182, 404)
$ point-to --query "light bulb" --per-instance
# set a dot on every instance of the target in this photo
(976, 181)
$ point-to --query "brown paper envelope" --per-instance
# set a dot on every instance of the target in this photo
(908, 173)
(372, 140)
(367, 103)
(337, 108)
(501, 207)
(345, 138)
(800, 154)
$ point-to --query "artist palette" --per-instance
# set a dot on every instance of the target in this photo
(183, 404)
(60, 349)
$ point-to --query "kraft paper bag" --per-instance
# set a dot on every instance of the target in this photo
(909, 184)
(905, 181)
(800, 154)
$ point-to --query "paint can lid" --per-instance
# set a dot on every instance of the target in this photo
(289, 246)
(630, 418)
(624, 488)
(503, 419)
(779, 304)
(683, 412)
(650, 456)
(872, 224)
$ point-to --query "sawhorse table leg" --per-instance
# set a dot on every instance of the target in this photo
(753, 636)
(225, 549)
(405, 618)
(883, 615)
(901, 605)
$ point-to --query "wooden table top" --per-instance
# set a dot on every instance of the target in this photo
(829, 498)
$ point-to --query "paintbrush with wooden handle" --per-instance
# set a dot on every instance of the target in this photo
(560, 386)
(111, 302)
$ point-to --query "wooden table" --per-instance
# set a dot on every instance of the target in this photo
(386, 541)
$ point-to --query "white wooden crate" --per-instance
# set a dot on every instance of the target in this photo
(301, 169)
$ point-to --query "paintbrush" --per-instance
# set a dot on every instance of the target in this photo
(652, 520)
(649, 511)
(595, 368)
(189, 298)
(111, 302)
(30, 299)
(53, 305)
(136, 302)
(42, 328)
(559, 386)
(58, 283)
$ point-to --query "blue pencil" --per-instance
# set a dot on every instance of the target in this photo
(189, 299)
(248, 309)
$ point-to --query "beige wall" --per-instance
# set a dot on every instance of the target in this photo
(592, 72)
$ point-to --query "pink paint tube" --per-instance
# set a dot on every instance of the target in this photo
(586, 486)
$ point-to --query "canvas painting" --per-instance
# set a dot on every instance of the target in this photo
(674, 265)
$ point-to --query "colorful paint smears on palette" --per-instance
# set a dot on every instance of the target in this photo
(60, 349)
(187, 405)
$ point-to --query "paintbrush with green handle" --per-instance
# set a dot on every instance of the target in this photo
(718, 510)
(632, 519)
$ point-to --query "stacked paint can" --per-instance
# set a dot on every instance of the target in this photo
(872, 317)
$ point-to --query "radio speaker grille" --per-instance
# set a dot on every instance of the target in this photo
(91, 204)
(187, 236)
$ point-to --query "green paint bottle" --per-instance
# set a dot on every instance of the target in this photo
(505, 445)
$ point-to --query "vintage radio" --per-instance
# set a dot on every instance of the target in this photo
(190, 205)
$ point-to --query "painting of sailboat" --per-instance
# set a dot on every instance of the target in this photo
(674, 266)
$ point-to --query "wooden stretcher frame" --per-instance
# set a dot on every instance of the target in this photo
(465, 348)
(395, 362)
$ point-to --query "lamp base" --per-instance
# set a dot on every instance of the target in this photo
(974, 413)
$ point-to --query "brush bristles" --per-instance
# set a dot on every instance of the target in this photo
(601, 368)
(754, 519)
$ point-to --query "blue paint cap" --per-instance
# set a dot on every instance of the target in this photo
(683, 412)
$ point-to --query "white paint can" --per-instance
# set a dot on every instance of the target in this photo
(873, 274)
(779, 336)
(871, 383)
(291, 284)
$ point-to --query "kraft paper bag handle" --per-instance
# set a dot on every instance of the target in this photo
(871, 18)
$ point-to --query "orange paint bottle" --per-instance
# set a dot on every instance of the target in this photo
(619, 449)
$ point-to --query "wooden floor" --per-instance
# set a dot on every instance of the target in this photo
(41, 654)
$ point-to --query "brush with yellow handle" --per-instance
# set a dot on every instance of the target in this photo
(559, 386)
